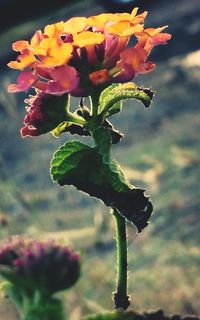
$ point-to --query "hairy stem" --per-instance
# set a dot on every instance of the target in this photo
(94, 104)
(120, 297)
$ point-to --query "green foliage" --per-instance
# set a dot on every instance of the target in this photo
(48, 310)
(91, 170)
(115, 316)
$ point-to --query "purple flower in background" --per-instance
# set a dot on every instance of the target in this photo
(44, 266)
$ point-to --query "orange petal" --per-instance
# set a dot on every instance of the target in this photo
(122, 17)
(36, 38)
(75, 25)
(153, 31)
(135, 59)
(26, 59)
(100, 20)
(134, 12)
(57, 55)
(53, 30)
(43, 47)
(99, 77)
(124, 29)
(139, 18)
(20, 45)
(88, 38)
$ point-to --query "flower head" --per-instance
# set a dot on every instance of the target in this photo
(44, 266)
(45, 112)
(82, 53)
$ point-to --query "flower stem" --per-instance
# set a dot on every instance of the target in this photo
(71, 117)
(94, 104)
(120, 297)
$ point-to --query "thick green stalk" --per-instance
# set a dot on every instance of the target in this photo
(94, 104)
(121, 298)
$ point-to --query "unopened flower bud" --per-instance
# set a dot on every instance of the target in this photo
(45, 112)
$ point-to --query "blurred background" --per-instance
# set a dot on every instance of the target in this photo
(160, 152)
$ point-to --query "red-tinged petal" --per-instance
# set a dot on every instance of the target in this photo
(91, 55)
(133, 61)
(43, 72)
(158, 39)
(161, 38)
(25, 80)
(12, 88)
(114, 46)
(20, 45)
(40, 85)
(29, 131)
(36, 38)
(153, 31)
(44, 113)
(139, 18)
(65, 79)
(99, 77)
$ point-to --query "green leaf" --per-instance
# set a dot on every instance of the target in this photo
(116, 135)
(7, 273)
(110, 99)
(4, 285)
(115, 316)
(67, 159)
(71, 128)
(130, 315)
(88, 170)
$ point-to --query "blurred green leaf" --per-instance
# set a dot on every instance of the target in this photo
(115, 316)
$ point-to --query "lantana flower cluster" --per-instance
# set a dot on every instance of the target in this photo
(81, 56)
(33, 265)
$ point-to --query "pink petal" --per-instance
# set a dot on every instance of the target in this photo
(29, 131)
(133, 61)
(114, 46)
(160, 38)
(24, 82)
(65, 79)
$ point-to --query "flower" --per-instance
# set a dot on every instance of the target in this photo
(44, 266)
(45, 113)
(82, 54)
